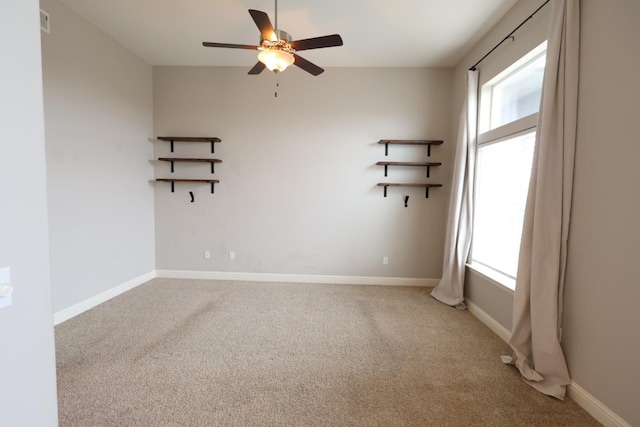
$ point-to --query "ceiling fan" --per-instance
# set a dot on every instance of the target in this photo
(277, 51)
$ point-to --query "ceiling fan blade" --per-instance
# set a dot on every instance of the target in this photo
(264, 24)
(258, 68)
(230, 45)
(309, 67)
(317, 42)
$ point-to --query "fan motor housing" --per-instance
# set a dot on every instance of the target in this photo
(280, 34)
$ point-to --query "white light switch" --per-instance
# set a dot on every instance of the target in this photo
(5, 287)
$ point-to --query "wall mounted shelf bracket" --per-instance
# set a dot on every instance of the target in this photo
(427, 142)
(171, 139)
(172, 160)
(428, 165)
(173, 182)
(425, 186)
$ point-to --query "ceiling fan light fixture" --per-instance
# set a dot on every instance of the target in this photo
(275, 59)
(277, 50)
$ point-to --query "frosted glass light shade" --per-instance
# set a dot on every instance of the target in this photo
(276, 60)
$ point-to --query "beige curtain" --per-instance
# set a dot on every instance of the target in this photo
(450, 290)
(537, 308)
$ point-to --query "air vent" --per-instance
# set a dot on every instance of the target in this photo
(45, 23)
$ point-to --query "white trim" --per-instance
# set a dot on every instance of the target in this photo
(89, 303)
(297, 278)
(492, 77)
(526, 60)
(493, 276)
(510, 130)
(45, 21)
(583, 398)
(593, 406)
(489, 321)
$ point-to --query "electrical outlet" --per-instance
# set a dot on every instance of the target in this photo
(385, 260)
(5, 287)
(207, 254)
(232, 256)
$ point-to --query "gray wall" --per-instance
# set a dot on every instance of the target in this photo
(297, 192)
(600, 336)
(601, 318)
(299, 197)
(27, 381)
(98, 103)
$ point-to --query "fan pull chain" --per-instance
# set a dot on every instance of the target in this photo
(277, 85)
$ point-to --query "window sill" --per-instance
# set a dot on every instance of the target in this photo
(494, 276)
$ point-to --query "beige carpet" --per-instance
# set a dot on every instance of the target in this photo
(217, 353)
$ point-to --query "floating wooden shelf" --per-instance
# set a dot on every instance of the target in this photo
(182, 159)
(190, 138)
(427, 164)
(215, 181)
(174, 180)
(172, 139)
(172, 160)
(427, 142)
(397, 184)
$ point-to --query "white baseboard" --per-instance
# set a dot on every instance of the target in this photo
(297, 278)
(489, 321)
(593, 406)
(87, 304)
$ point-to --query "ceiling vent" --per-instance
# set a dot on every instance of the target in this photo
(45, 24)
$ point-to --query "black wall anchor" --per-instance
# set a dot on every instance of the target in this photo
(406, 201)
(192, 198)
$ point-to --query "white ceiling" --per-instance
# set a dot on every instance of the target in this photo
(376, 33)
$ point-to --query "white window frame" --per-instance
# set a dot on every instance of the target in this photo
(499, 134)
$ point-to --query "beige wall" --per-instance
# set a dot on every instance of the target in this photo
(98, 118)
(599, 334)
(297, 196)
(297, 192)
(601, 318)
(27, 380)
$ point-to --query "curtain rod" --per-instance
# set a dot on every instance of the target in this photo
(510, 35)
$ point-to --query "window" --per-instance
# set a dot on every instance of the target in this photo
(508, 113)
